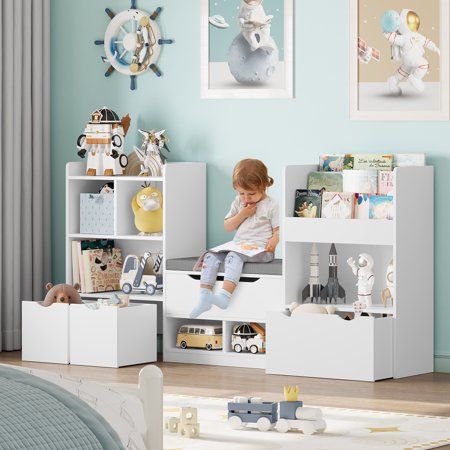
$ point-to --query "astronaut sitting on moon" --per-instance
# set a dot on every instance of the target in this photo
(255, 25)
(408, 46)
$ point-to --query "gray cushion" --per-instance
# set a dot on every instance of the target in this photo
(187, 264)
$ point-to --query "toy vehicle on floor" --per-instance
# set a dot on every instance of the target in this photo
(283, 416)
(248, 337)
(207, 337)
(133, 278)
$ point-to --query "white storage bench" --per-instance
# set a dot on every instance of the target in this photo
(327, 346)
(260, 290)
(111, 336)
(45, 333)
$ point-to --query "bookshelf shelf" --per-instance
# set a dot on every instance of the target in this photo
(184, 220)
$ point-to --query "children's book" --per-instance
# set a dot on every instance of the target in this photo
(369, 161)
(331, 163)
(385, 183)
(362, 203)
(337, 205)
(360, 181)
(325, 181)
(102, 269)
(409, 159)
(381, 207)
(307, 203)
(247, 248)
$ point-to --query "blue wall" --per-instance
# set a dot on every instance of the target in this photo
(221, 132)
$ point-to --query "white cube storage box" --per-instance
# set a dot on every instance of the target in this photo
(112, 337)
(45, 333)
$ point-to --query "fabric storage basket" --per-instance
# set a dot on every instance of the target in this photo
(97, 214)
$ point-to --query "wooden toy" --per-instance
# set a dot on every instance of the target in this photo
(103, 140)
(186, 425)
(133, 278)
(388, 293)
(147, 207)
(132, 42)
(202, 336)
(283, 416)
(248, 337)
(150, 154)
(314, 288)
(332, 290)
(366, 278)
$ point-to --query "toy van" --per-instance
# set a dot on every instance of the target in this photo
(202, 336)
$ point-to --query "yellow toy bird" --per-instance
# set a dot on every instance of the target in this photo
(147, 207)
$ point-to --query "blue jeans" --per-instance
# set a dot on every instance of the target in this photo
(234, 263)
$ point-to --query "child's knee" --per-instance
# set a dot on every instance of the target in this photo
(211, 260)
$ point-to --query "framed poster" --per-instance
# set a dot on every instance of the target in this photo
(399, 59)
(247, 49)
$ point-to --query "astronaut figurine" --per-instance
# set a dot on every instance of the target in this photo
(409, 47)
(103, 140)
(255, 25)
(366, 278)
(388, 292)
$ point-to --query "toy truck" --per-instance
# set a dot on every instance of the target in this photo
(283, 416)
(248, 337)
(133, 278)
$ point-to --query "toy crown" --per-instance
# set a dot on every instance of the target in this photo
(291, 393)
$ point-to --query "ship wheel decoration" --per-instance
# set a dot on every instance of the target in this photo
(133, 43)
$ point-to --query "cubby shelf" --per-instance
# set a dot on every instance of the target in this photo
(351, 231)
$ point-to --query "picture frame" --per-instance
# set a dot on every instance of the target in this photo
(274, 71)
(374, 85)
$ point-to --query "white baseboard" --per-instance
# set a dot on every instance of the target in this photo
(442, 362)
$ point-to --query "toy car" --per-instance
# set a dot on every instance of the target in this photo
(248, 337)
(133, 278)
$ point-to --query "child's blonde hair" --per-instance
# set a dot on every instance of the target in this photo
(251, 174)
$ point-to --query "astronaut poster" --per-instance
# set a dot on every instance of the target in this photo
(247, 48)
(399, 55)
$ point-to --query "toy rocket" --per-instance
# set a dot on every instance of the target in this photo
(333, 290)
(314, 288)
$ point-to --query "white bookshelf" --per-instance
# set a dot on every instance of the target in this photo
(184, 198)
(398, 340)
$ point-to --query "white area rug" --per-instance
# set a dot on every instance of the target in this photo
(347, 429)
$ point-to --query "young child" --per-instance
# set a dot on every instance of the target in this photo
(254, 216)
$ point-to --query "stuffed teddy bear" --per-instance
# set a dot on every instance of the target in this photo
(147, 206)
(61, 293)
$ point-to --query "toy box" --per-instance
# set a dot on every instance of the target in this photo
(97, 214)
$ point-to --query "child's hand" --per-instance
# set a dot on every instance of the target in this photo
(248, 210)
(272, 244)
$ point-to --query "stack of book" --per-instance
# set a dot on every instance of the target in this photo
(96, 265)
(353, 186)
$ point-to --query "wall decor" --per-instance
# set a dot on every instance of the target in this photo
(247, 49)
(399, 60)
(132, 42)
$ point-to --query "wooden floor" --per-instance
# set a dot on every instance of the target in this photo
(424, 394)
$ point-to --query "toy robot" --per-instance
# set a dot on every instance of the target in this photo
(255, 25)
(103, 141)
(408, 46)
(366, 278)
(150, 154)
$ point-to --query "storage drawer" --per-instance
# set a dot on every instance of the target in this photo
(254, 296)
(326, 346)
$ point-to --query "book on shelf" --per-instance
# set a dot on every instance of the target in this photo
(409, 159)
(337, 205)
(103, 269)
(78, 269)
(325, 181)
(381, 207)
(331, 163)
(369, 161)
(307, 203)
(362, 203)
(385, 183)
(361, 181)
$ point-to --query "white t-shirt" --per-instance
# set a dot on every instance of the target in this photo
(259, 227)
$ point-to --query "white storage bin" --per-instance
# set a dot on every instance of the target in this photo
(45, 333)
(97, 214)
(111, 336)
(254, 296)
(327, 346)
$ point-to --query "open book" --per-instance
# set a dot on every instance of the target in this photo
(247, 248)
